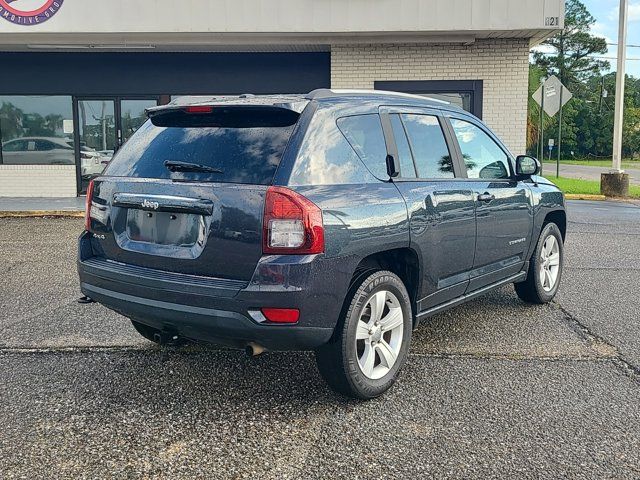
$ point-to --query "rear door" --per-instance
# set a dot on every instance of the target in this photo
(186, 193)
(504, 211)
(440, 205)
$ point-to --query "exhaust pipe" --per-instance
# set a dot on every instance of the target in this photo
(166, 338)
(253, 349)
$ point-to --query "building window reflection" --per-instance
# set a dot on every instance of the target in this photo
(36, 130)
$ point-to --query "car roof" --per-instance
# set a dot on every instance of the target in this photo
(298, 102)
(50, 139)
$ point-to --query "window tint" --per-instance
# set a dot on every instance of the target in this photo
(429, 147)
(15, 146)
(326, 157)
(43, 146)
(483, 157)
(244, 154)
(407, 169)
(364, 133)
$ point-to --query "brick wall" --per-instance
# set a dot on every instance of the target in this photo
(37, 181)
(502, 64)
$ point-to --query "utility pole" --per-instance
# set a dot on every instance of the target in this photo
(616, 183)
(620, 77)
(541, 133)
(601, 96)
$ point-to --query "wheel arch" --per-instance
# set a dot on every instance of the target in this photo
(559, 217)
(404, 262)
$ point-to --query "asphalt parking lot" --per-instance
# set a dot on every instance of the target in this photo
(494, 388)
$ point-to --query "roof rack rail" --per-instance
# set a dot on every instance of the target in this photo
(319, 93)
(328, 92)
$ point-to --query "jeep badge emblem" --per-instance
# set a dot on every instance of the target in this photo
(147, 204)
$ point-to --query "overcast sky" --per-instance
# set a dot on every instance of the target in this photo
(606, 14)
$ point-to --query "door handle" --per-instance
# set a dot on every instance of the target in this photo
(486, 197)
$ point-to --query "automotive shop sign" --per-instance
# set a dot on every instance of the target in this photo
(29, 12)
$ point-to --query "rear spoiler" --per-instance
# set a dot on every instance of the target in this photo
(223, 115)
(294, 104)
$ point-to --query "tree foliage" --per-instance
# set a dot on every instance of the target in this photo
(570, 53)
(587, 122)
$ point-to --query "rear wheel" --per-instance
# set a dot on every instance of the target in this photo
(545, 268)
(372, 338)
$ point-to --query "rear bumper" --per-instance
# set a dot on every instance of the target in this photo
(220, 310)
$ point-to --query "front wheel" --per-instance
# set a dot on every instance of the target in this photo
(545, 268)
(372, 338)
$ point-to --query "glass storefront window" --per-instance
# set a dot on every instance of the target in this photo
(459, 99)
(133, 115)
(36, 130)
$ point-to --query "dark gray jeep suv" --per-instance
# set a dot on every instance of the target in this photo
(333, 221)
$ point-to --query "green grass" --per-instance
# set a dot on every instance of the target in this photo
(590, 187)
(598, 163)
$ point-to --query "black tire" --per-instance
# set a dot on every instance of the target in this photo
(338, 360)
(532, 290)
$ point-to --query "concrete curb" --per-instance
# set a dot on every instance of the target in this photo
(585, 196)
(41, 213)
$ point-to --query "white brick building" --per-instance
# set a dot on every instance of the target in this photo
(81, 73)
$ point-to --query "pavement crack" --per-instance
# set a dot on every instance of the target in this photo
(77, 349)
(623, 269)
(598, 343)
(510, 357)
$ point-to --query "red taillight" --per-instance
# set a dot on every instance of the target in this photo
(87, 207)
(292, 224)
(198, 109)
(281, 315)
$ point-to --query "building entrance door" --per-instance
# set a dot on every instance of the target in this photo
(103, 125)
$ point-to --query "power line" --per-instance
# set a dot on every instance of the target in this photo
(628, 46)
(613, 58)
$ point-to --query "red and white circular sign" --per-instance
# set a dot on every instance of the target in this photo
(29, 12)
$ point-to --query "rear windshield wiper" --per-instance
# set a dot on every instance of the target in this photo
(178, 166)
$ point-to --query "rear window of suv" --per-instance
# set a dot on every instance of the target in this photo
(243, 145)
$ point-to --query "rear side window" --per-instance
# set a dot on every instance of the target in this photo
(407, 168)
(242, 145)
(364, 133)
(429, 146)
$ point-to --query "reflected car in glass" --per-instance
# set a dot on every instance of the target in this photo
(335, 222)
(38, 151)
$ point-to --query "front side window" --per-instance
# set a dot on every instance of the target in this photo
(429, 146)
(364, 133)
(482, 155)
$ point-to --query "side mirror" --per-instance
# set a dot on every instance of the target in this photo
(527, 166)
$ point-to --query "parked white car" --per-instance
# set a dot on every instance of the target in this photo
(38, 151)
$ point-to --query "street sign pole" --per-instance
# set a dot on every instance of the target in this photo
(559, 135)
(551, 96)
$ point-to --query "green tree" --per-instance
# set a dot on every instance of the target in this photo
(570, 53)
(10, 121)
(570, 56)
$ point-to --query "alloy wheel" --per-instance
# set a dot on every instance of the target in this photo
(549, 263)
(379, 334)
